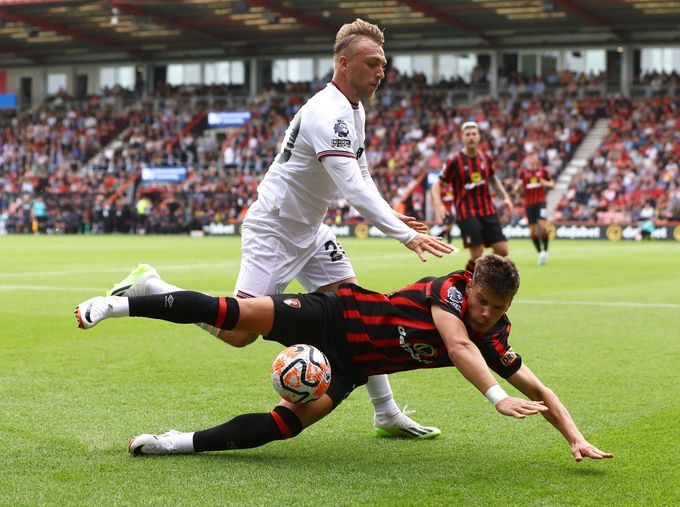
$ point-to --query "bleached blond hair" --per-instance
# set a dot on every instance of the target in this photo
(349, 33)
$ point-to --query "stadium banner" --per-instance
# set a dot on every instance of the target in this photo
(164, 174)
(8, 101)
(228, 118)
(572, 230)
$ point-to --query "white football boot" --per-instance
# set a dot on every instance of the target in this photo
(172, 442)
(401, 425)
(135, 284)
(89, 313)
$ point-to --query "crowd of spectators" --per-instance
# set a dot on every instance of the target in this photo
(634, 175)
(74, 168)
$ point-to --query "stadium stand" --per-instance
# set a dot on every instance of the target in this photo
(72, 162)
(634, 173)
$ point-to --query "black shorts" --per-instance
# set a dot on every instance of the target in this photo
(536, 212)
(484, 230)
(316, 319)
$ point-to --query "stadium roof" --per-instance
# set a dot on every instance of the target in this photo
(61, 31)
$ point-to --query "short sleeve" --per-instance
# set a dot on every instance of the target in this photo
(497, 351)
(448, 293)
(445, 174)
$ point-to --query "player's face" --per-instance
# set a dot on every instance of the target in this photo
(471, 138)
(365, 67)
(484, 307)
(532, 161)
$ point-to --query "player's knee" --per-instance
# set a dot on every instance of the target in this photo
(288, 423)
(500, 248)
(237, 339)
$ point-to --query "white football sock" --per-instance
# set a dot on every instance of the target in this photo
(185, 442)
(120, 307)
(379, 390)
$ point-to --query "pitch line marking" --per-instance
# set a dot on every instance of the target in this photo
(630, 304)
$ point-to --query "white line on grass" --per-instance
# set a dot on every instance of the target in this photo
(59, 288)
(630, 304)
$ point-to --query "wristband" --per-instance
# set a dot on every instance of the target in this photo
(495, 393)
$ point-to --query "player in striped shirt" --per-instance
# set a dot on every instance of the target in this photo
(471, 172)
(533, 179)
(458, 319)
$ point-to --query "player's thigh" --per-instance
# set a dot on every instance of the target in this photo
(471, 232)
(532, 214)
(492, 232)
(269, 261)
(328, 264)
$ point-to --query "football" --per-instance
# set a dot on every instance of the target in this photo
(301, 373)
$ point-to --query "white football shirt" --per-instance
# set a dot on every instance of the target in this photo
(321, 158)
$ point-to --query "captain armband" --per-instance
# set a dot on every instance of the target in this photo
(495, 394)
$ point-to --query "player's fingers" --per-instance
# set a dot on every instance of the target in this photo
(421, 255)
(434, 251)
(439, 244)
(577, 454)
(596, 453)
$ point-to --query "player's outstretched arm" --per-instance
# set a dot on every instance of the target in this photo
(469, 360)
(557, 414)
(425, 243)
(439, 209)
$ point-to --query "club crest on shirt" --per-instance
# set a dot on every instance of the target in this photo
(509, 357)
(292, 302)
(454, 297)
(341, 128)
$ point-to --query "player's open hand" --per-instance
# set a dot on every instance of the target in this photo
(411, 222)
(425, 243)
(519, 407)
(440, 212)
(584, 449)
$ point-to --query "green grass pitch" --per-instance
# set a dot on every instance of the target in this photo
(599, 324)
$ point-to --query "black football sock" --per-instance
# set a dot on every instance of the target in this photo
(537, 243)
(545, 239)
(249, 430)
(187, 307)
(470, 266)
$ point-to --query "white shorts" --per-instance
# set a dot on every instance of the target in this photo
(276, 251)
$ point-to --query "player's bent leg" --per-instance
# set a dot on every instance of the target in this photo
(500, 248)
(312, 412)
(246, 431)
(144, 280)
(237, 339)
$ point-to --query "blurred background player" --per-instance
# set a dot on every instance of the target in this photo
(470, 172)
(283, 235)
(533, 179)
(446, 195)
